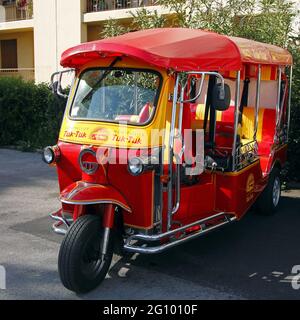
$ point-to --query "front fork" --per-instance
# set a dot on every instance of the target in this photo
(108, 224)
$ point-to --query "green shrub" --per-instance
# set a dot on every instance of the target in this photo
(30, 115)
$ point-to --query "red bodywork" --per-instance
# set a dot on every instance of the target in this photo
(179, 50)
(129, 192)
(216, 192)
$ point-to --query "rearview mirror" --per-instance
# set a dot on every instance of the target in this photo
(56, 82)
(221, 97)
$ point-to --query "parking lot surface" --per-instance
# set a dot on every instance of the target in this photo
(251, 259)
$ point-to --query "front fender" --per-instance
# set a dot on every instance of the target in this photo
(83, 193)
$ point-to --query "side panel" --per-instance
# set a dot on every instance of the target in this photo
(236, 192)
(139, 193)
(196, 202)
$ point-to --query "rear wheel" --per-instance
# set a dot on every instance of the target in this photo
(80, 263)
(268, 201)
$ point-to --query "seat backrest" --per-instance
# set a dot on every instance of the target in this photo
(266, 124)
(145, 113)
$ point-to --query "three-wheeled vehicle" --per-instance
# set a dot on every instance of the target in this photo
(168, 134)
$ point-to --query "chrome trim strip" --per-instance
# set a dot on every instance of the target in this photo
(97, 202)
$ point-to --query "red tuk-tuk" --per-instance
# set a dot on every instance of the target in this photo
(168, 134)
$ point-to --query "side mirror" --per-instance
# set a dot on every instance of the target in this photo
(221, 97)
(56, 87)
(56, 80)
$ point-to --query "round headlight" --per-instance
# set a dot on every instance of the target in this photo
(48, 155)
(135, 166)
(51, 154)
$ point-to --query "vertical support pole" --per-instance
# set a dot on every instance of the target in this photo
(289, 101)
(135, 94)
(257, 102)
(278, 98)
(171, 153)
(236, 119)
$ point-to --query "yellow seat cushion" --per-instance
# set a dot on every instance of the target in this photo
(247, 128)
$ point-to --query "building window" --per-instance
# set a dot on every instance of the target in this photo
(9, 57)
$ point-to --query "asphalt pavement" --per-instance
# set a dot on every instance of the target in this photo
(250, 259)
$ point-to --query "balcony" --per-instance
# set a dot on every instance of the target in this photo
(26, 74)
(105, 5)
(15, 10)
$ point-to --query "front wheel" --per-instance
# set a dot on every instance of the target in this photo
(81, 265)
(268, 201)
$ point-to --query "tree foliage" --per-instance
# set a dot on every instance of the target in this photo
(269, 21)
(144, 19)
(113, 28)
(262, 20)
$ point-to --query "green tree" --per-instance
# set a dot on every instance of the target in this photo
(144, 19)
(269, 21)
(113, 28)
(263, 20)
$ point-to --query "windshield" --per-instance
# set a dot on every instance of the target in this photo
(116, 95)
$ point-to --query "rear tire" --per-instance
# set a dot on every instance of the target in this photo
(268, 201)
(80, 265)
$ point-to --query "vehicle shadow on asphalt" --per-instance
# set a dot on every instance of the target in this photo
(253, 257)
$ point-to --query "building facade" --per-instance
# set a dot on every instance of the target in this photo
(34, 33)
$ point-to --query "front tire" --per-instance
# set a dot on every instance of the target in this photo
(80, 265)
(268, 201)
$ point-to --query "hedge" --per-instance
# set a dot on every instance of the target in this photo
(30, 115)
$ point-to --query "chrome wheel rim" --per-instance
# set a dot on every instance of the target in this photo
(276, 191)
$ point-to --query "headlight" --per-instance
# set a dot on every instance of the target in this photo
(139, 165)
(51, 154)
(135, 166)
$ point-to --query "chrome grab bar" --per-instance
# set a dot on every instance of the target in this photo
(157, 249)
(174, 209)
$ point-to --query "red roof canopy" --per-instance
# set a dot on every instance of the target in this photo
(180, 49)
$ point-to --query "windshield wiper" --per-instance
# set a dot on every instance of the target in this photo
(105, 74)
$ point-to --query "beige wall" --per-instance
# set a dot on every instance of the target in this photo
(94, 33)
(58, 26)
(25, 47)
